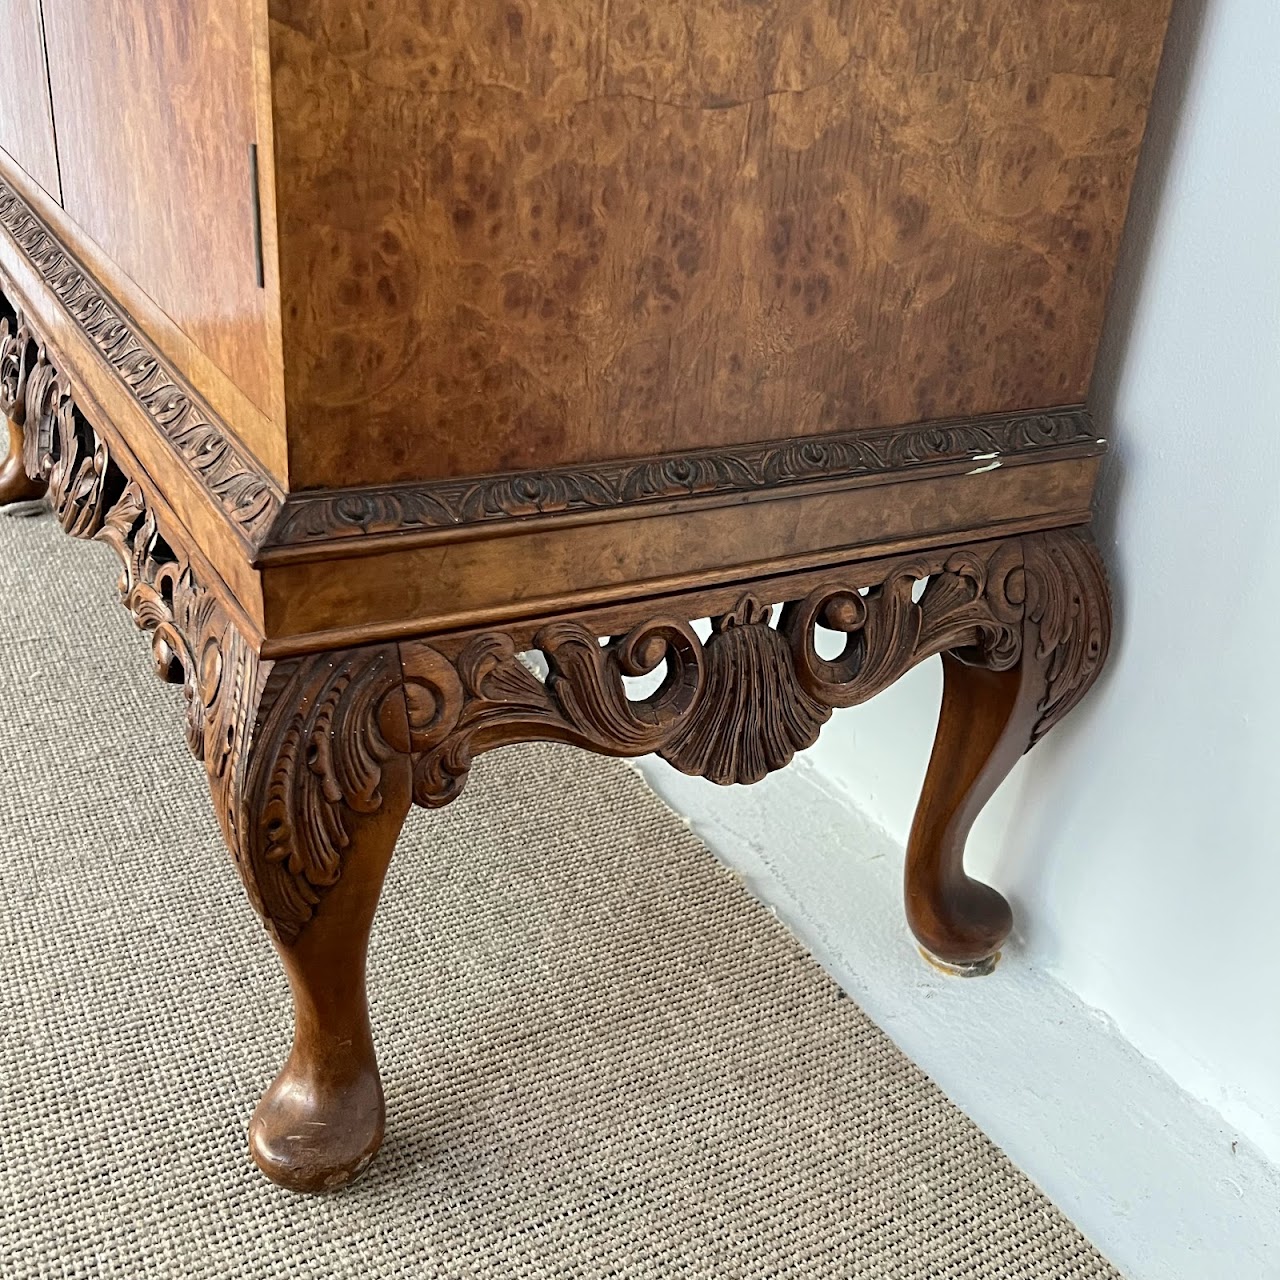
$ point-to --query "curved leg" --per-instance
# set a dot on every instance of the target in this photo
(311, 795)
(307, 765)
(987, 720)
(307, 760)
(320, 1122)
(983, 727)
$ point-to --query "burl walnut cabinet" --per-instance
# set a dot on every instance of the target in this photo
(387, 340)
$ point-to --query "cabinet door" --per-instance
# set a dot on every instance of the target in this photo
(26, 121)
(156, 105)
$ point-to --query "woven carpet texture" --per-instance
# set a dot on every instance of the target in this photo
(602, 1057)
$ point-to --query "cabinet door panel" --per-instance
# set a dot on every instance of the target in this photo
(156, 104)
(26, 121)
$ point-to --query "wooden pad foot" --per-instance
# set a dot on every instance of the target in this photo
(321, 1122)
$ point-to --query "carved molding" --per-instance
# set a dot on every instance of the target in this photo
(271, 520)
(738, 469)
(247, 495)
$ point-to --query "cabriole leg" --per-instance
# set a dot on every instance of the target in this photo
(983, 727)
(988, 719)
(321, 1121)
(307, 766)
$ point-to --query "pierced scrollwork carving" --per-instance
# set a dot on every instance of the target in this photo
(747, 700)
(293, 749)
(17, 354)
(583, 700)
(15, 344)
(964, 606)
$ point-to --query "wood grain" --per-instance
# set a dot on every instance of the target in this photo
(157, 107)
(515, 230)
(26, 116)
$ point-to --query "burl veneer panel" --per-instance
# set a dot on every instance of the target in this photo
(26, 119)
(521, 230)
(156, 111)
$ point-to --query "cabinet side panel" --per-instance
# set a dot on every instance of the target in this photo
(26, 118)
(516, 231)
(157, 107)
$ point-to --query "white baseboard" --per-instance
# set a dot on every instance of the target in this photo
(1156, 1180)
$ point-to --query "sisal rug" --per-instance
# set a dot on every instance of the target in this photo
(602, 1057)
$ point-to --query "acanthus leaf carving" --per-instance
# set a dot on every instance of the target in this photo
(294, 749)
(315, 766)
(15, 344)
(1068, 601)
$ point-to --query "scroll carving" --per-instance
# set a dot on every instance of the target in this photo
(15, 344)
(1068, 601)
(583, 701)
(293, 749)
(743, 703)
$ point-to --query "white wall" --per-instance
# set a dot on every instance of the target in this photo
(1140, 843)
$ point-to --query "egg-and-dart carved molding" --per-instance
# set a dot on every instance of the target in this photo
(270, 519)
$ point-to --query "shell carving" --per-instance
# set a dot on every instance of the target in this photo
(752, 715)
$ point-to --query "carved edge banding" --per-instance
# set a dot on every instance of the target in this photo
(271, 520)
(236, 484)
(742, 469)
